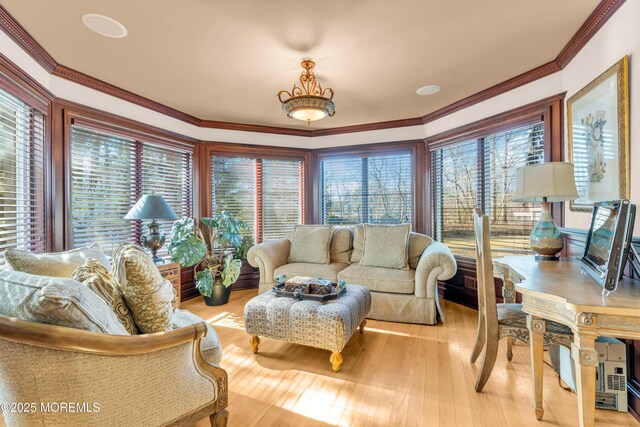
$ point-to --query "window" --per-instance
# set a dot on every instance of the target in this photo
(22, 182)
(481, 172)
(266, 193)
(109, 173)
(375, 189)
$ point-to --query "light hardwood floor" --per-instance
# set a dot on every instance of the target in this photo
(393, 375)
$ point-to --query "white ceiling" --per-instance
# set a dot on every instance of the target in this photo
(226, 60)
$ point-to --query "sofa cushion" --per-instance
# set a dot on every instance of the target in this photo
(210, 344)
(310, 244)
(386, 246)
(324, 271)
(96, 277)
(358, 243)
(57, 264)
(147, 294)
(417, 244)
(56, 301)
(380, 279)
(341, 245)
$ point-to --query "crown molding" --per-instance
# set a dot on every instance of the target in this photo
(595, 21)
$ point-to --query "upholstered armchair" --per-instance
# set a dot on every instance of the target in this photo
(74, 377)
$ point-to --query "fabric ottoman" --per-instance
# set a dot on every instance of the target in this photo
(322, 325)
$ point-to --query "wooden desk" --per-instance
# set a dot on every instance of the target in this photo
(560, 291)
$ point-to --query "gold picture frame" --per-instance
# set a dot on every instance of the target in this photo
(598, 130)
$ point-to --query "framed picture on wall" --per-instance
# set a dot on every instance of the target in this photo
(598, 128)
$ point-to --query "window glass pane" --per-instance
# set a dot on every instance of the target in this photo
(389, 180)
(103, 188)
(342, 189)
(511, 222)
(233, 187)
(22, 223)
(376, 189)
(455, 170)
(281, 197)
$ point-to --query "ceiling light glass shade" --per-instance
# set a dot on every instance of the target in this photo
(308, 102)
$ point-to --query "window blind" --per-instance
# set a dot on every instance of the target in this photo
(103, 189)
(22, 187)
(481, 172)
(233, 188)
(169, 173)
(375, 189)
(266, 193)
(110, 173)
(281, 197)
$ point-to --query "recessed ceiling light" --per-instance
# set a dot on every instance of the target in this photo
(428, 90)
(104, 25)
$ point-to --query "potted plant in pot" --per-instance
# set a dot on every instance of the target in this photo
(217, 266)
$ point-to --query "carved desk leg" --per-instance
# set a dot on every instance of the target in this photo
(509, 297)
(586, 360)
(537, 328)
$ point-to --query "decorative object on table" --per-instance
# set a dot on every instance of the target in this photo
(152, 206)
(598, 128)
(609, 242)
(308, 102)
(309, 288)
(545, 183)
(220, 267)
(246, 244)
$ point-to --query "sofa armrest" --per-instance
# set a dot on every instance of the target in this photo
(160, 379)
(268, 256)
(436, 263)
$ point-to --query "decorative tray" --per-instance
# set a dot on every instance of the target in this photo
(338, 290)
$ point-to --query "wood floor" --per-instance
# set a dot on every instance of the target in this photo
(393, 375)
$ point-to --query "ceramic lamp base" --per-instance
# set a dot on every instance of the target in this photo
(546, 238)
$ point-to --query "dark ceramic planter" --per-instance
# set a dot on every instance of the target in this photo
(219, 295)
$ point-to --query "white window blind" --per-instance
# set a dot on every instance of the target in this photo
(375, 189)
(266, 193)
(281, 197)
(22, 187)
(481, 172)
(110, 173)
(233, 188)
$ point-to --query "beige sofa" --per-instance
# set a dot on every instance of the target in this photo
(409, 296)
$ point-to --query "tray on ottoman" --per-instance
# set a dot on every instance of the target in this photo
(316, 291)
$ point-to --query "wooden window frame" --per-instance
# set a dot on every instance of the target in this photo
(415, 147)
(69, 114)
(209, 149)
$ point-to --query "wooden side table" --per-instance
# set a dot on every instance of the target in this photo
(171, 272)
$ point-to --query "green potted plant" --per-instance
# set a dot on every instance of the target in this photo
(217, 266)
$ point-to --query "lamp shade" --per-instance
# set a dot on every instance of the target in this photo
(151, 206)
(545, 182)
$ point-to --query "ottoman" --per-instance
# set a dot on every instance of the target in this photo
(322, 325)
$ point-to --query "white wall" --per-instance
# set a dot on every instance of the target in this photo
(620, 36)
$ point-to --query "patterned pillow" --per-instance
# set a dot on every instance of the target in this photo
(97, 278)
(147, 294)
(55, 264)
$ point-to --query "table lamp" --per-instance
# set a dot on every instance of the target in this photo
(546, 183)
(152, 206)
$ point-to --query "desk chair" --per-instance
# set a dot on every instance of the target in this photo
(497, 321)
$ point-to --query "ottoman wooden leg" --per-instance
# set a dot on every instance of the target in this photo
(255, 342)
(362, 325)
(336, 360)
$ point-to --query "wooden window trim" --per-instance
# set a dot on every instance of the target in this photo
(415, 147)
